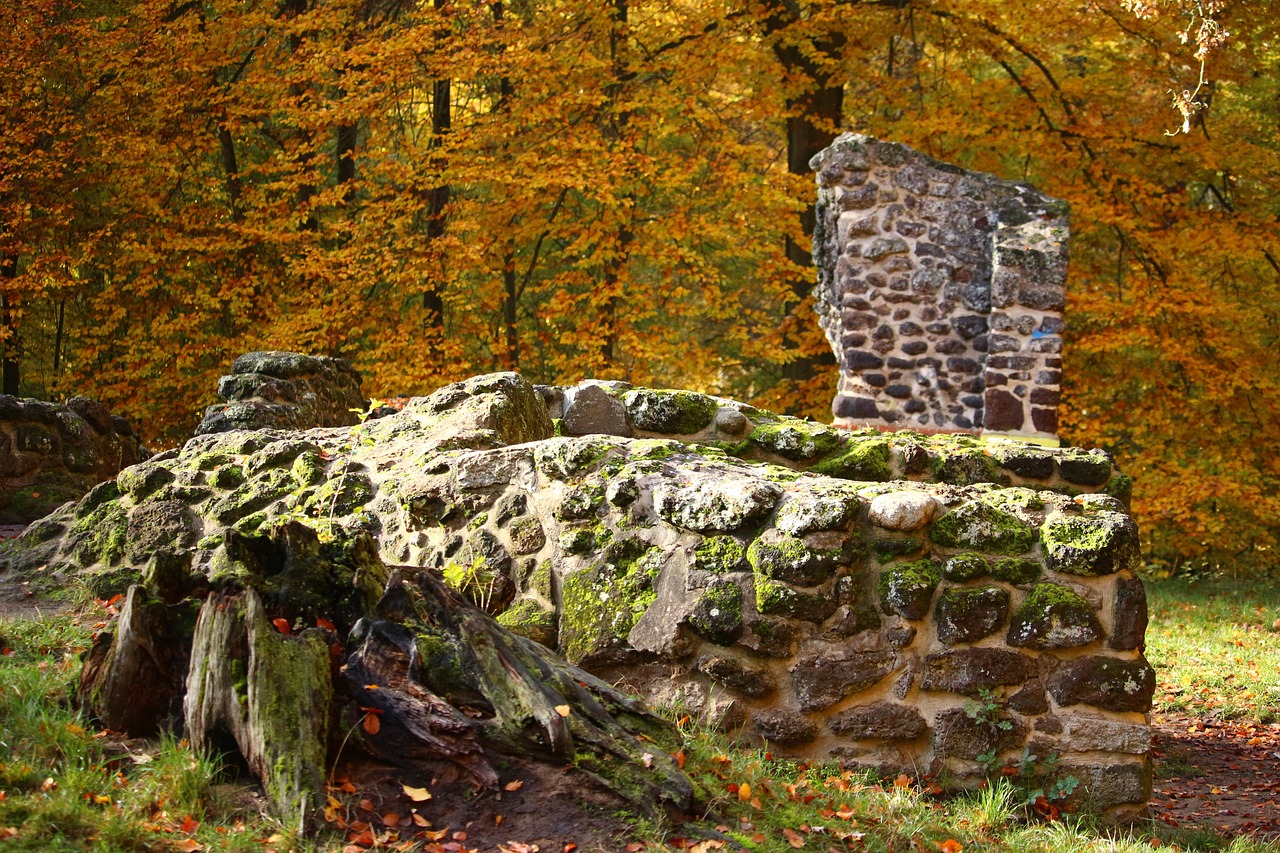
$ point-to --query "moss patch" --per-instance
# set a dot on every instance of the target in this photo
(718, 554)
(780, 556)
(964, 567)
(1053, 616)
(907, 589)
(717, 615)
(795, 439)
(670, 412)
(983, 527)
(866, 459)
(1096, 544)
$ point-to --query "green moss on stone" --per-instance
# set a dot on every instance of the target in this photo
(308, 469)
(964, 567)
(983, 527)
(670, 412)
(907, 589)
(718, 554)
(1095, 544)
(891, 547)
(601, 604)
(866, 459)
(1016, 570)
(1053, 616)
(795, 439)
(227, 477)
(784, 557)
(101, 535)
(528, 618)
(717, 615)
(1120, 487)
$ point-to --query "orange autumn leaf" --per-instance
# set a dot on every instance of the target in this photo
(794, 838)
(282, 625)
(950, 846)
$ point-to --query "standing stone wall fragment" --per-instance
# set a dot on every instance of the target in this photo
(941, 292)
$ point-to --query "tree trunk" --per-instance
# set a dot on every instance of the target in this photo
(9, 340)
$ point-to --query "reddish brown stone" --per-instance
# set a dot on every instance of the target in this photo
(1003, 411)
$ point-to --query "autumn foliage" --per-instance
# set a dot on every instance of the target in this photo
(610, 187)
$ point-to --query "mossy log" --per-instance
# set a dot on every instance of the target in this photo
(444, 681)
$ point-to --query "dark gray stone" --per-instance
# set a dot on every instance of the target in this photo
(785, 728)
(1112, 684)
(883, 720)
(1129, 621)
(968, 615)
(822, 679)
(956, 734)
(1053, 617)
(1003, 411)
(968, 671)
(594, 411)
(737, 676)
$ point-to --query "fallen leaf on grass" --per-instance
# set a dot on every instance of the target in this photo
(186, 845)
(189, 825)
(903, 781)
(950, 846)
(744, 792)
(418, 795)
(793, 838)
(391, 819)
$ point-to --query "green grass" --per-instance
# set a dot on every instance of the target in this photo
(1216, 648)
(66, 788)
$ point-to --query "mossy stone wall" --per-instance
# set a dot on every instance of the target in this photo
(891, 617)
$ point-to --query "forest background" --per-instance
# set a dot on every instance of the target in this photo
(618, 189)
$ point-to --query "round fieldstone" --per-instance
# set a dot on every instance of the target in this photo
(903, 510)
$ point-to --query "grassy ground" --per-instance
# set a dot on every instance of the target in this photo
(66, 787)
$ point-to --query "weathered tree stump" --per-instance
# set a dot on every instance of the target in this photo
(440, 678)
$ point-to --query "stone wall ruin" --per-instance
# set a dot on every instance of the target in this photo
(941, 292)
(933, 605)
(51, 453)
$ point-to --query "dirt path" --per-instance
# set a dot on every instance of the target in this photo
(1219, 774)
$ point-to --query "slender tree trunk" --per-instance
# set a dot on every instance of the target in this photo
(615, 268)
(438, 198)
(57, 338)
(9, 326)
(815, 117)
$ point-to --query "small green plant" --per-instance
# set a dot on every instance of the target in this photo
(477, 581)
(988, 710)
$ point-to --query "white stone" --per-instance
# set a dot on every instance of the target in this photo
(903, 510)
